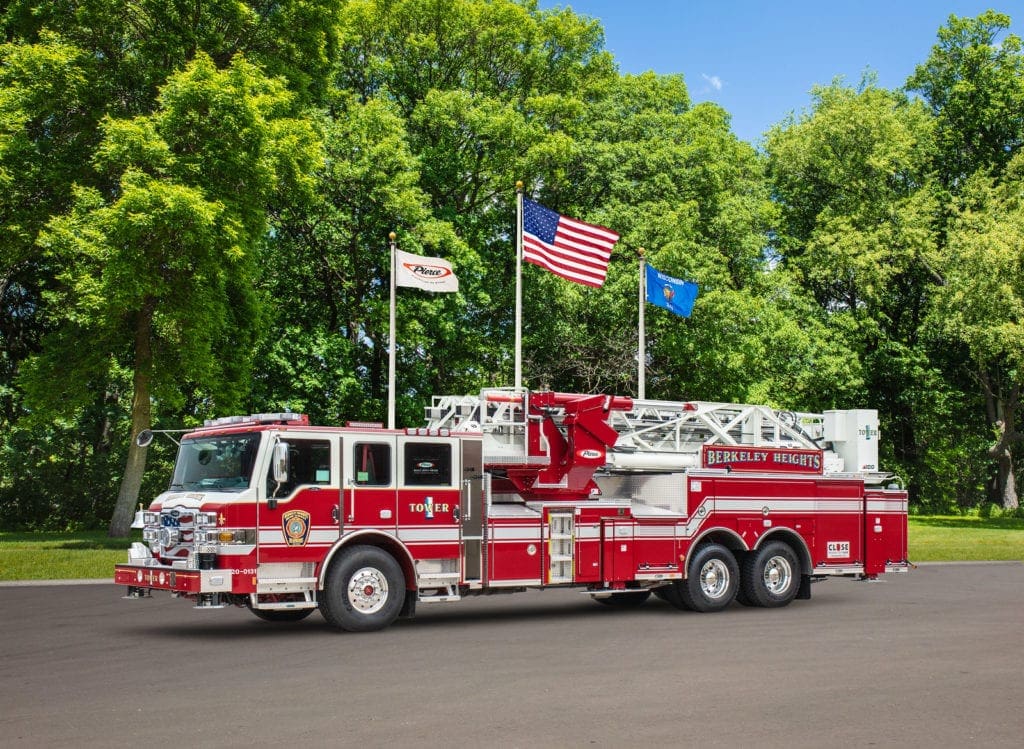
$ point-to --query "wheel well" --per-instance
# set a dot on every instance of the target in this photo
(382, 541)
(723, 536)
(794, 542)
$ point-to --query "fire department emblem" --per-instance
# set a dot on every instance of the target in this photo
(296, 527)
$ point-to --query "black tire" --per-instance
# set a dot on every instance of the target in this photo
(712, 581)
(771, 576)
(625, 600)
(281, 615)
(364, 590)
(741, 595)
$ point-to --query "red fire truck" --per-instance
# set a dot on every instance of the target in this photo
(698, 503)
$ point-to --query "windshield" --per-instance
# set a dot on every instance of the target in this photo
(216, 463)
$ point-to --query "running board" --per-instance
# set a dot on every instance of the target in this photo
(307, 602)
(441, 595)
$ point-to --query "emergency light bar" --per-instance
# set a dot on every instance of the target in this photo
(285, 417)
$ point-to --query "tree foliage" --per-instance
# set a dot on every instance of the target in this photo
(981, 305)
(197, 198)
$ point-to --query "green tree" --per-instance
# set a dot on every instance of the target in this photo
(673, 178)
(974, 84)
(168, 258)
(861, 214)
(981, 304)
(331, 251)
(65, 67)
(486, 90)
(973, 81)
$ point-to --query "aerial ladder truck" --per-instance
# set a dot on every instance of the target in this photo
(700, 504)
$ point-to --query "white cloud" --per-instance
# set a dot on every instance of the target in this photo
(713, 80)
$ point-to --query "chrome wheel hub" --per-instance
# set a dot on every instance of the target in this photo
(778, 575)
(367, 590)
(714, 578)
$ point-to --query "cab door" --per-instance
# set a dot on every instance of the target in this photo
(369, 482)
(296, 518)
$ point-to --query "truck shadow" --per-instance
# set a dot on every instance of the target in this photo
(478, 615)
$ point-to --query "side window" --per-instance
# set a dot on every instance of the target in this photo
(309, 462)
(372, 463)
(428, 464)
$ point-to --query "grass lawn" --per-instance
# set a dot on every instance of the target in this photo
(90, 554)
(61, 556)
(940, 538)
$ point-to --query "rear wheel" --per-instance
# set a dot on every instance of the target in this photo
(364, 590)
(771, 576)
(713, 579)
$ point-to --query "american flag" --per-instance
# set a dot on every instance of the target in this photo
(569, 248)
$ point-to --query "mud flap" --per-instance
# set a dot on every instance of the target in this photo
(804, 594)
(409, 607)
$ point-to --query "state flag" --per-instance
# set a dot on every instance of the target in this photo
(670, 293)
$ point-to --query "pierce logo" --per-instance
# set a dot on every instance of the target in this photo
(590, 454)
(427, 272)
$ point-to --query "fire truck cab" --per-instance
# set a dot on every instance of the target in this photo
(697, 503)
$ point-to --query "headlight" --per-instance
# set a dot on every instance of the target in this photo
(151, 518)
(169, 537)
(150, 535)
(206, 518)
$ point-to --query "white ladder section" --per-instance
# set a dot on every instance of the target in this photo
(674, 432)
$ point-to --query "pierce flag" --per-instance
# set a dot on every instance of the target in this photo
(670, 293)
(574, 250)
(427, 273)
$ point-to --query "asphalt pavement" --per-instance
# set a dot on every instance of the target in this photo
(932, 658)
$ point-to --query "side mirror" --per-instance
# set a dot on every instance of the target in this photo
(143, 438)
(281, 463)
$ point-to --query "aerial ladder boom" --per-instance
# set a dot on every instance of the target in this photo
(654, 435)
(669, 434)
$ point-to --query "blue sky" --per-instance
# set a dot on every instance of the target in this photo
(759, 60)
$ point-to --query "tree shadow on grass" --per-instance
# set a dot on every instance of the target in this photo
(972, 523)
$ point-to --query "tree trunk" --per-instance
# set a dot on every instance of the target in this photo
(1001, 405)
(1010, 499)
(128, 495)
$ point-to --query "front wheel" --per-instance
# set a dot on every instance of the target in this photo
(364, 590)
(712, 581)
(771, 576)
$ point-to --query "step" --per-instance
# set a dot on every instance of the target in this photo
(286, 585)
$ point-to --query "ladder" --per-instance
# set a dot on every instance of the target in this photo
(652, 435)
(670, 428)
(648, 426)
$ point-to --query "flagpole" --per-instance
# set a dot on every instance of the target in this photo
(391, 339)
(641, 358)
(519, 287)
